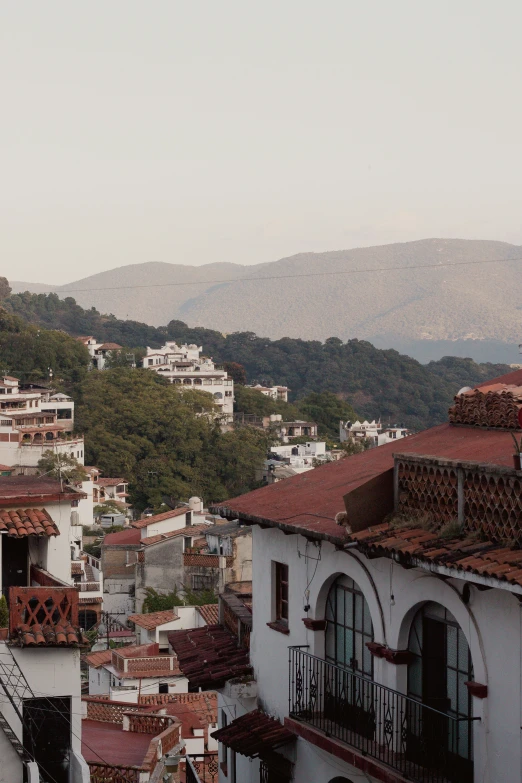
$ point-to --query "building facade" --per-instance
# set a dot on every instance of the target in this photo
(184, 365)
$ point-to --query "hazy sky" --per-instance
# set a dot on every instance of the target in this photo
(193, 131)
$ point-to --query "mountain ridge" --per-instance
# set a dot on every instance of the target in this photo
(368, 293)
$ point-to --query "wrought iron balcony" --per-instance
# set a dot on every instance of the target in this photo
(202, 768)
(421, 743)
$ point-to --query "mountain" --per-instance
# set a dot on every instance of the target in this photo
(464, 310)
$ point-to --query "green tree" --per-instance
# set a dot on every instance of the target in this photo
(62, 466)
(5, 288)
(4, 612)
(236, 372)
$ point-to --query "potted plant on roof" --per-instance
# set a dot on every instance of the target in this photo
(518, 452)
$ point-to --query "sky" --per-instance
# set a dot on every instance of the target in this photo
(200, 131)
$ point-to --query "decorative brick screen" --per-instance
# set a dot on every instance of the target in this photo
(205, 561)
(149, 724)
(486, 499)
(162, 663)
(427, 488)
(493, 506)
(110, 711)
(103, 773)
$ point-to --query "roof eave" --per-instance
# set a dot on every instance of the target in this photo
(287, 528)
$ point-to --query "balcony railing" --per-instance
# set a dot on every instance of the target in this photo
(203, 768)
(421, 743)
(88, 587)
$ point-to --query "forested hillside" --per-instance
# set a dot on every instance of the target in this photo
(375, 382)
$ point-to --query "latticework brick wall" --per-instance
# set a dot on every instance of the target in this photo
(427, 489)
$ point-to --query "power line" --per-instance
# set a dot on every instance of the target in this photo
(439, 265)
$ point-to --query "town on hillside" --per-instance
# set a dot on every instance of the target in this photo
(341, 616)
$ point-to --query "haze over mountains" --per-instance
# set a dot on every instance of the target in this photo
(472, 310)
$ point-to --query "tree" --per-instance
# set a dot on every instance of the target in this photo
(159, 602)
(236, 372)
(5, 288)
(164, 440)
(109, 507)
(62, 466)
(355, 445)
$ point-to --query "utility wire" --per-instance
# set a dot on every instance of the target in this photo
(439, 265)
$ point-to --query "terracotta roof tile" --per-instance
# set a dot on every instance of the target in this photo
(20, 522)
(154, 619)
(97, 659)
(254, 734)
(122, 538)
(210, 613)
(484, 558)
(209, 656)
(205, 703)
(173, 512)
(59, 635)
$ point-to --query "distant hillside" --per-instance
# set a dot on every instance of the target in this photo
(422, 311)
(376, 382)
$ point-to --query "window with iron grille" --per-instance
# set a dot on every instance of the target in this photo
(202, 582)
(281, 592)
(349, 627)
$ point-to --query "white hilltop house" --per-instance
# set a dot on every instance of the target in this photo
(34, 420)
(99, 352)
(371, 430)
(185, 365)
(279, 393)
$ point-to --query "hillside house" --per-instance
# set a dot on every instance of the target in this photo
(382, 585)
(33, 420)
(185, 366)
(279, 393)
(100, 353)
(154, 627)
(40, 729)
(127, 672)
(129, 743)
(372, 431)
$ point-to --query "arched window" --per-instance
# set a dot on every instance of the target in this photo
(197, 382)
(49, 436)
(348, 627)
(441, 665)
(187, 381)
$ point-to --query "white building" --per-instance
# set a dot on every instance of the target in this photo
(128, 672)
(372, 431)
(384, 586)
(33, 420)
(40, 705)
(185, 365)
(100, 352)
(279, 393)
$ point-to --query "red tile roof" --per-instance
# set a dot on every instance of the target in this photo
(109, 347)
(465, 553)
(173, 512)
(209, 656)
(189, 530)
(205, 703)
(254, 734)
(110, 482)
(59, 635)
(97, 659)
(104, 742)
(310, 501)
(210, 613)
(34, 488)
(138, 651)
(123, 538)
(19, 522)
(154, 619)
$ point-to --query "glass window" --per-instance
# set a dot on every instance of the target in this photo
(281, 588)
(349, 627)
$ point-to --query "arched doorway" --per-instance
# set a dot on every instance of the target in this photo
(340, 780)
(348, 694)
(348, 627)
(437, 674)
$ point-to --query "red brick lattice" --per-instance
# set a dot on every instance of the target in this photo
(161, 663)
(109, 711)
(427, 488)
(103, 773)
(205, 561)
(149, 724)
(493, 506)
(42, 606)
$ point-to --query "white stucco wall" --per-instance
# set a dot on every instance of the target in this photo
(165, 526)
(492, 622)
(99, 681)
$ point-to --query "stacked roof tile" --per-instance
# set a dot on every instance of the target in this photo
(209, 656)
(209, 613)
(20, 522)
(465, 553)
(59, 635)
(496, 405)
(254, 734)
